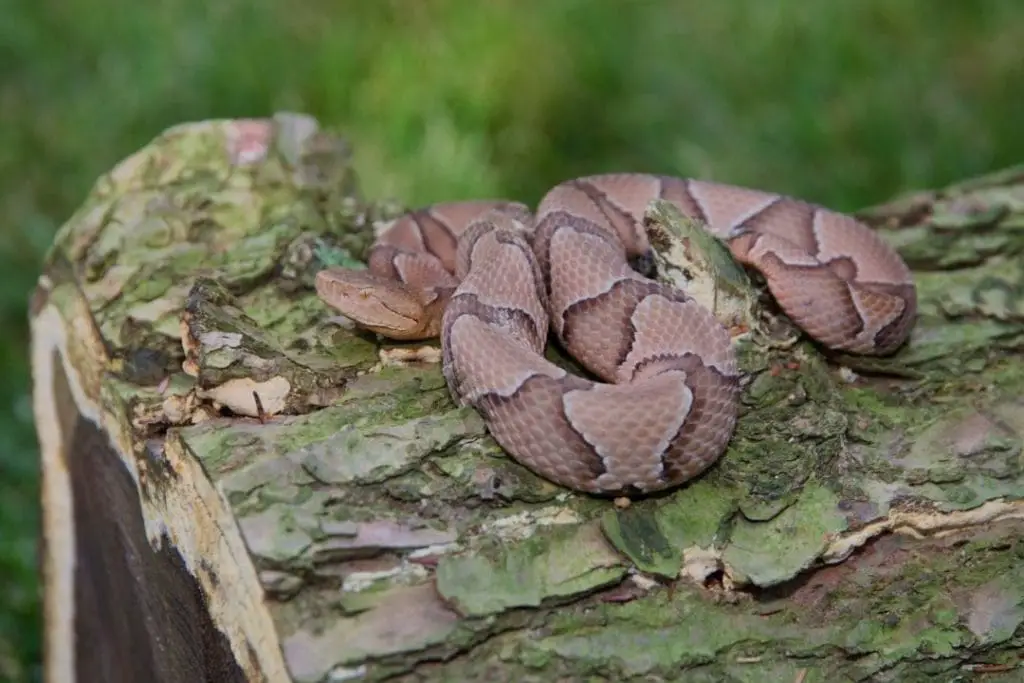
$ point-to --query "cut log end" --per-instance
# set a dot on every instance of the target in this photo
(122, 603)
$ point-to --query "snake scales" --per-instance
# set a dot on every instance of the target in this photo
(490, 278)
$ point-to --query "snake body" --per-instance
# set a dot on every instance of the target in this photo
(490, 278)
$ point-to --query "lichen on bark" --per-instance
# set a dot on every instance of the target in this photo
(862, 523)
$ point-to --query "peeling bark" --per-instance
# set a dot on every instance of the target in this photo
(237, 488)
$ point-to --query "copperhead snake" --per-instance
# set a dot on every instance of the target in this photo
(489, 278)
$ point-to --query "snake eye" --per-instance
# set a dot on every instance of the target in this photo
(365, 293)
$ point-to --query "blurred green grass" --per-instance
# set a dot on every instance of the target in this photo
(842, 103)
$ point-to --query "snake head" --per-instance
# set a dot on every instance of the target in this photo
(378, 304)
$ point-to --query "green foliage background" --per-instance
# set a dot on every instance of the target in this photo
(843, 103)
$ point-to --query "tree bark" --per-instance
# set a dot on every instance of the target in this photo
(236, 488)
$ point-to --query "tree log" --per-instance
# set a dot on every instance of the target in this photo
(238, 488)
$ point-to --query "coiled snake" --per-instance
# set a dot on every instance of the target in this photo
(489, 278)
